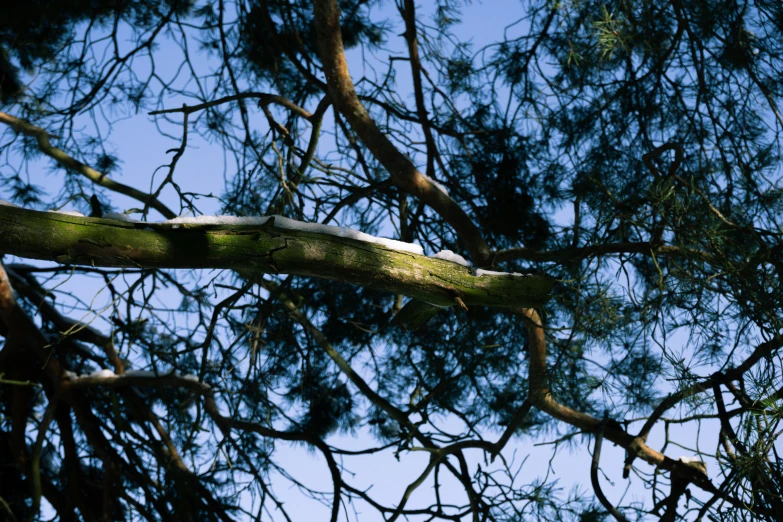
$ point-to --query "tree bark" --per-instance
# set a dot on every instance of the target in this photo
(257, 249)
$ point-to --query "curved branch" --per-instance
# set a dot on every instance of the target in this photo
(401, 169)
(541, 397)
(434, 460)
(761, 351)
(599, 437)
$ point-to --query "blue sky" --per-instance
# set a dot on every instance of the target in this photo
(142, 149)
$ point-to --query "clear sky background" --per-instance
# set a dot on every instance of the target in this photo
(135, 139)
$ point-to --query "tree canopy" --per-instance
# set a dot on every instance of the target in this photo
(598, 188)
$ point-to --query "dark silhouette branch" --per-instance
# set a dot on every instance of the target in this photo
(594, 465)
(61, 157)
(400, 167)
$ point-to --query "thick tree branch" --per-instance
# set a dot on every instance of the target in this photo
(263, 248)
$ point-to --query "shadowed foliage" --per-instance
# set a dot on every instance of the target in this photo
(625, 153)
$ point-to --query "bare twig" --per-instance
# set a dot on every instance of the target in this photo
(599, 437)
(67, 161)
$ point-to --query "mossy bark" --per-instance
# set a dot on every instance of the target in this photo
(74, 240)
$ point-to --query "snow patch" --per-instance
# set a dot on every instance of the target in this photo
(4, 203)
(448, 255)
(481, 272)
(67, 212)
(190, 377)
(436, 184)
(217, 220)
(103, 373)
(118, 216)
(139, 373)
(689, 460)
(292, 224)
(349, 233)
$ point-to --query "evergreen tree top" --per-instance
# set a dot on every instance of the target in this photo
(565, 230)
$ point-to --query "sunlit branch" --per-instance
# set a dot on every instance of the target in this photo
(263, 248)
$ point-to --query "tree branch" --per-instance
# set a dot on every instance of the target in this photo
(541, 397)
(401, 169)
(259, 248)
(576, 253)
(262, 97)
(90, 173)
(599, 437)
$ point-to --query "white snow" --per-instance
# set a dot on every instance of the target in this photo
(292, 224)
(190, 377)
(103, 373)
(139, 373)
(7, 203)
(689, 460)
(437, 185)
(117, 216)
(481, 272)
(67, 212)
(69, 374)
(280, 222)
(350, 233)
(217, 220)
(448, 255)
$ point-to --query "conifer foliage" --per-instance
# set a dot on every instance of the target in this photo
(619, 161)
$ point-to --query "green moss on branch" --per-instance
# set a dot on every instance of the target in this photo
(259, 249)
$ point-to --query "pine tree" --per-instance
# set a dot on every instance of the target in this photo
(601, 184)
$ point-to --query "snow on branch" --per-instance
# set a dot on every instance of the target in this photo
(263, 245)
